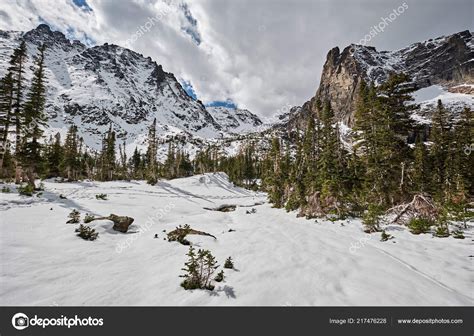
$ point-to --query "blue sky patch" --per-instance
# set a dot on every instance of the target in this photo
(82, 4)
(218, 103)
(187, 86)
(72, 34)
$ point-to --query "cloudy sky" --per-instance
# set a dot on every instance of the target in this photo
(263, 55)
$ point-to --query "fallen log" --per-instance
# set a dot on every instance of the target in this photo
(179, 234)
(420, 206)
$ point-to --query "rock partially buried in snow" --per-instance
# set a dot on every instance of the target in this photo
(121, 223)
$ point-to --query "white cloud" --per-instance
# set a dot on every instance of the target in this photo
(262, 54)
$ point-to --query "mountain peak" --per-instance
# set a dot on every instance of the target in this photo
(44, 34)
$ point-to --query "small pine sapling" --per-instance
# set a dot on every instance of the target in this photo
(219, 277)
(385, 236)
(419, 225)
(88, 218)
(199, 270)
(86, 232)
(229, 263)
(75, 217)
(102, 197)
(371, 218)
(442, 230)
(26, 190)
(458, 234)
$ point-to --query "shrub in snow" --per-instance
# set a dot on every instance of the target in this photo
(88, 218)
(152, 180)
(101, 197)
(5, 190)
(199, 270)
(385, 236)
(458, 234)
(219, 277)
(75, 217)
(442, 231)
(26, 190)
(61, 196)
(86, 232)
(419, 225)
(460, 212)
(371, 218)
(229, 263)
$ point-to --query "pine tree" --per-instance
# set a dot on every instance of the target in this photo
(152, 164)
(123, 160)
(329, 176)
(275, 177)
(136, 164)
(309, 146)
(395, 95)
(439, 136)
(34, 120)
(382, 127)
(17, 64)
(420, 167)
(8, 168)
(463, 142)
(6, 103)
(170, 163)
(108, 159)
(395, 100)
(55, 156)
(70, 160)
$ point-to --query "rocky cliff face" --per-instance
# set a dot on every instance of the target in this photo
(447, 61)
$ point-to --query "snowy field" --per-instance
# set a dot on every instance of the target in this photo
(279, 259)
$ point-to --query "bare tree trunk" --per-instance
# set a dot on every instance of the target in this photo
(31, 177)
(403, 176)
(18, 172)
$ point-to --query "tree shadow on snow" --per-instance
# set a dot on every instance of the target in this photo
(394, 228)
(228, 291)
(53, 198)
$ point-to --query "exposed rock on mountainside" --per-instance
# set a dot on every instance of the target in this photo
(447, 61)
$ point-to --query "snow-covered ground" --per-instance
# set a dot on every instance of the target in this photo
(431, 94)
(279, 259)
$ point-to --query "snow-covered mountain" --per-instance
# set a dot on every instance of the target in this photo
(94, 87)
(235, 120)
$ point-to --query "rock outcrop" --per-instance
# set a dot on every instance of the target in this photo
(447, 60)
